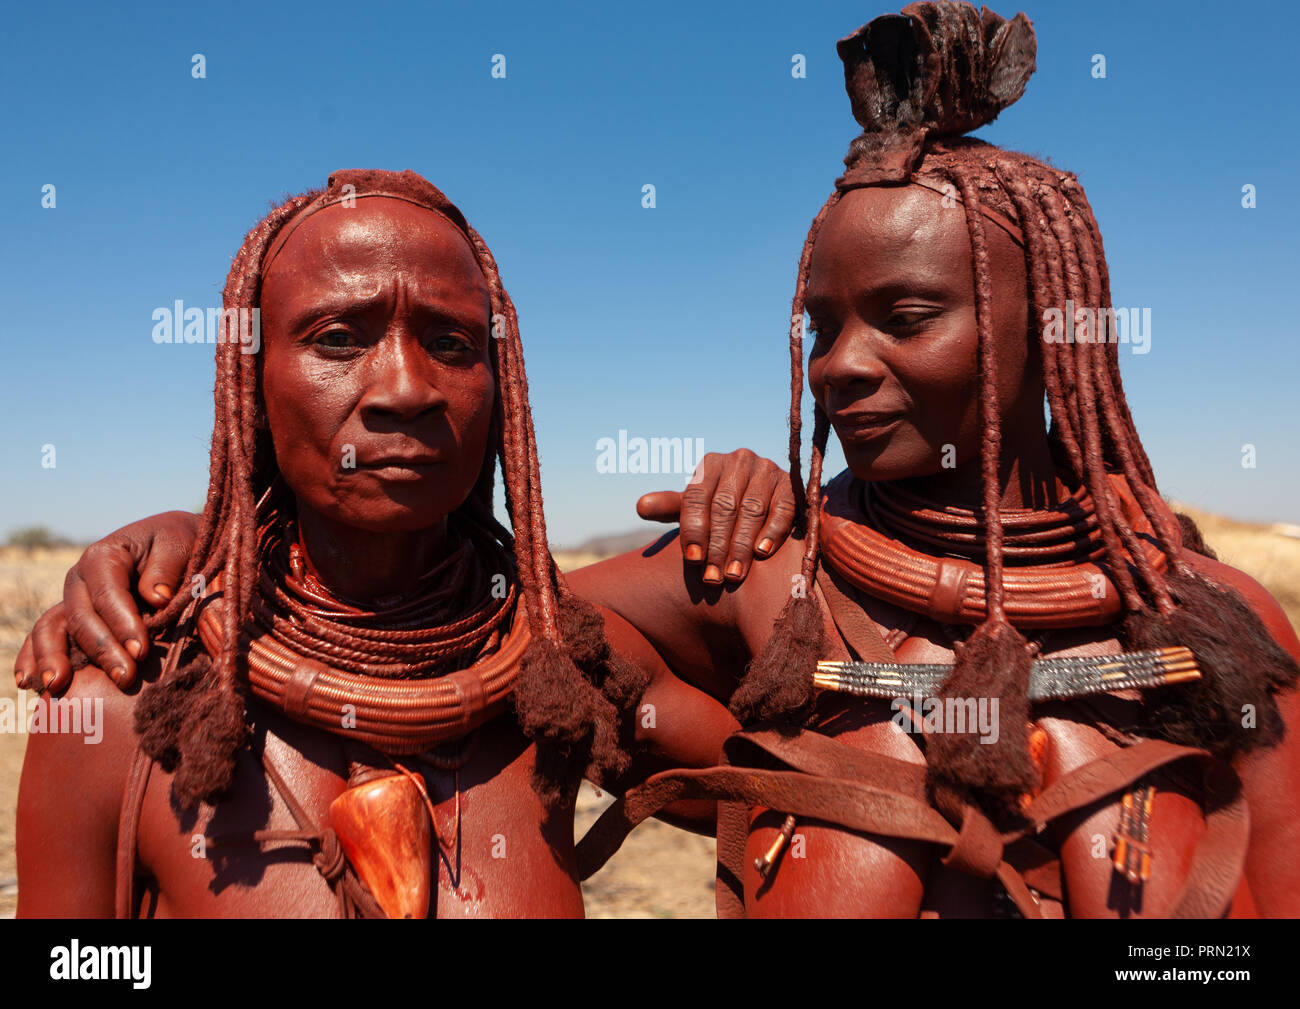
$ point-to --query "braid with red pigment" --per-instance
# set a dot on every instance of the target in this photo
(995, 660)
(1074, 192)
(1109, 517)
(575, 718)
(1041, 288)
(768, 690)
(193, 720)
(796, 361)
(1132, 456)
(572, 690)
(1095, 356)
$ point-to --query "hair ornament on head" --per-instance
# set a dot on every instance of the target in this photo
(936, 69)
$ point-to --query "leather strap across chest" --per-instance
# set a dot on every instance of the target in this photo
(874, 794)
(857, 630)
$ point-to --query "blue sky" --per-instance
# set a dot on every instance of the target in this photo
(665, 323)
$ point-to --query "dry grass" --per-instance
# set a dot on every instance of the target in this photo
(661, 872)
(1268, 553)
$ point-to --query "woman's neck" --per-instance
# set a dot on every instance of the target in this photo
(365, 566)
(1026, 479)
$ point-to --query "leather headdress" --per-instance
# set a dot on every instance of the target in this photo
(937, 69)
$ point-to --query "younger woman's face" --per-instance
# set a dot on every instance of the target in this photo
(376, 373)
(894, 364)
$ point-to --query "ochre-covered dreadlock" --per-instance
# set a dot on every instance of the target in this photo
(918, 80)
(572, 690)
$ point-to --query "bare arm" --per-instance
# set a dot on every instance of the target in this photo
(68, 804)
(1271, 777)
(676, 725)
(705, 633)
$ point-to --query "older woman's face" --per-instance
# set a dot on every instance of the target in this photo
(894, 365)
(376, 372)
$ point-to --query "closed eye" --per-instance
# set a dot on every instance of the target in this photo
(821, 332)
(911, 319)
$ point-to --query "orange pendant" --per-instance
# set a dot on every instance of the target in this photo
(1039, 742)
(383, 828)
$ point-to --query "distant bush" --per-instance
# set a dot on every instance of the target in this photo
(36, 538)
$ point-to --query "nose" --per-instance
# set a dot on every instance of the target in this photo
(401, 381)
(853, 359)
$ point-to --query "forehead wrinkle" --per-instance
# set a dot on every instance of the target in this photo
(366, 261)
(327, 232)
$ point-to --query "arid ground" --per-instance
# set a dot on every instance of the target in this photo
(661, 872)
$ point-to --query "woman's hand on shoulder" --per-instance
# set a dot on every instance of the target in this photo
(99, 611)
(737, 507)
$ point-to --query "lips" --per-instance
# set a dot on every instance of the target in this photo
(408, 465)
(408, 461)
(863, 425)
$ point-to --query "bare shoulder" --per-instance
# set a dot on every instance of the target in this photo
(653, 578)
(630, 643)
(1258, 598)
(705, 633)
(80, 744)
(1270, 774)
(79, 752)
(658, 573)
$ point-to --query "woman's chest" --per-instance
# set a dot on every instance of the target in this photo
(1160, 813)
(273, 847)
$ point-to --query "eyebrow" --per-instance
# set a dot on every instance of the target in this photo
(891, 288)
(360, 306)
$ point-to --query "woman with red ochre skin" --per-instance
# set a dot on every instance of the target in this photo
(892, 291)
(376, 336)
(890, 296)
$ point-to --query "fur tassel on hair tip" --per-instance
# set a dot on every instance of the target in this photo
(995, 663)
(569, 699)
(779, 681)
(194, 728)
(1231, 708)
